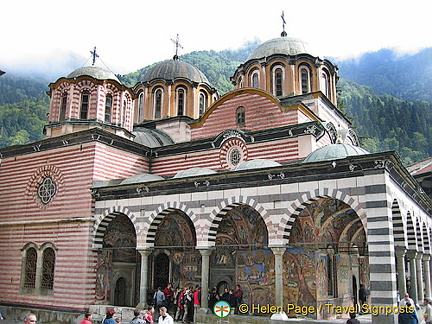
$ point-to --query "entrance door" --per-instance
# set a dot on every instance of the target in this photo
(161, 271)
(120, 292)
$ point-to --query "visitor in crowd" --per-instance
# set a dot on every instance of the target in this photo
(353, 319)
(213, 298)
(408, 316)
(427, 313)
(164, 317)
(188, 305)
(87, 318)
(196, 301)
(30, 318)
(404, 301)
(168, 295)
(180, 305)
(148, 317)
(238, 294)
(137, 319)
(158, 298)
(109, 317)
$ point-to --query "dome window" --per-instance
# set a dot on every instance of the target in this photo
(241, 116)
(325, 84)
(181, 101)
(202, 102)
(63, 106)
(255, 79)
(108, 107)
(157, 99)
(305, 80)
(277, 81)
(85, 101)
(141, 106)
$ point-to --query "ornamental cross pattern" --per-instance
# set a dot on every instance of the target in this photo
(47, 190)
(222, 309)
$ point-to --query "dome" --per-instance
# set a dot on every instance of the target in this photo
(174, 69)
(257, 164)
(142, 177)
(151, 137)
(280, 45)
(194, 172)
(95, 72)
(334, 152)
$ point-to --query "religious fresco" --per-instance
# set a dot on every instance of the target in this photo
(176, 233)
(320, 242)
(103, 276)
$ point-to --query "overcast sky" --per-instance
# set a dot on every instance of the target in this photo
(131, 34)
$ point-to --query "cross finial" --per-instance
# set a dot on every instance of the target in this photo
(283, 34)
(95, 55)
(178, 45)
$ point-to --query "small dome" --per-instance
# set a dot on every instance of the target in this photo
(334, 152)
(280, 45)
(151, 137)
(175, 69)
(143, 177)
(94, 71)
(192, 172)
(257, 164)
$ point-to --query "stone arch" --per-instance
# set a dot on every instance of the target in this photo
(162, 211)
(425, 240)
(228, 204)
(398, 224)
(306, 199)
(411, 234)
(105, 219)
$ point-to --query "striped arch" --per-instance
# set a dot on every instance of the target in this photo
(105, 219)
(228, 204)
(398, 225)
(163, 210)
(426, 240)
(411, 234)
(312, 196)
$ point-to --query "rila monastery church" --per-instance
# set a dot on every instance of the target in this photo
(265, 186)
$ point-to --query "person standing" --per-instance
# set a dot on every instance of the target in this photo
(148, 317)
(188, 304)
(196, 301)
(238, 294)
(362, 296)
(158, 298)
(180, 305)
(213, 298)
(137, 319)
(404, 301)
(109, 317)
(30, 318)
(164, 317)
(427, 314)
(168, 295)
(87, 318)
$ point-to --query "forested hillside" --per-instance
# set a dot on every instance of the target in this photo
(382, 121)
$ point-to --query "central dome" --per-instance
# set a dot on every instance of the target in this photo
(93, 71)
(175, 69)
(334, 152)
(280, 45)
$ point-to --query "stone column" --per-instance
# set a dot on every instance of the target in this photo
(411, 254)
(427, 274)
(419, 274)
(205, 274)
(400, 262)
(144, 278)
(278, 253)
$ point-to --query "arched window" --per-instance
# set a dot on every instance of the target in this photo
(240, 116)
(255, 79)
(325, 84)
(157, 102)
(181, 101)
(240, 82)
(48, 262)
(108, 107)
(141, 106)
(277, 81)
(202, 102)
(305, 80)
(63, 106)
(85, 102)
(30, 268)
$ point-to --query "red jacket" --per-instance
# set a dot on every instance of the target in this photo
(197, 297)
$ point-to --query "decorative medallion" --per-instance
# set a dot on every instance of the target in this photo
(44, 185)
(47, 190)
(232, 153)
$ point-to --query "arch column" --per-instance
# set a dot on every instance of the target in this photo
(144, 278)
(411, 255)
(419, 275)
(427, 274)
(205, 273)
(400, 262)
(278, 253)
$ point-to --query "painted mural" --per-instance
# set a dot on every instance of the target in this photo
(176, 233)
(317, 266)
(241, 247)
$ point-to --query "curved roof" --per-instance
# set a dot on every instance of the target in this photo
(256, 164)
(174, 69)
(194, 172)
(142, 177)
(94, 71)
(334, 152)
(151, 137)
(280, 45)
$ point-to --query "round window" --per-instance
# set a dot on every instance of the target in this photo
(47, 190)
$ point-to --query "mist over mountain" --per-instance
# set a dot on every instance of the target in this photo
(387, 95)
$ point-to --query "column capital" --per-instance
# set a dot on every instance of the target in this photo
(205, 251)
(411, 254)
(278, 250)
(419, 255)
(400, 251)
(144, 252)
(426, 257)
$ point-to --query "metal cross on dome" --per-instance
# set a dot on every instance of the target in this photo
(283, 34)
(94, 54)
(178, 45)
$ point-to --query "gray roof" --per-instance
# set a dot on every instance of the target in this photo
(280, 45)
(194, 172)
(96, 72)
(142, 177)
(175, 69)
(334, 152)
(151, 137)
(257, 164)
